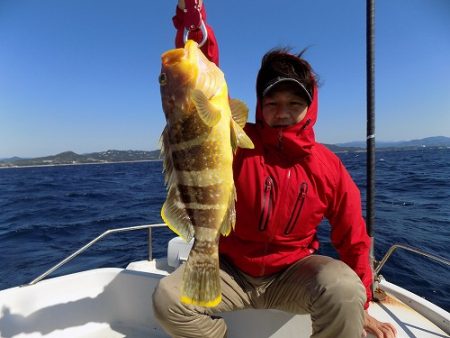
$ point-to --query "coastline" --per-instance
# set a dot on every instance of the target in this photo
(73, 164)
(114, 157)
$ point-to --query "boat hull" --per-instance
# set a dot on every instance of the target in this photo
(113, 302)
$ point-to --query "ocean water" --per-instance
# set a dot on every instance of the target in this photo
(46, 213)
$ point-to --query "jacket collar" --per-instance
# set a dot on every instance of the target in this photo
(292, 142)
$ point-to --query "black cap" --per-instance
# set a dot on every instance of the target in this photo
(280, 66)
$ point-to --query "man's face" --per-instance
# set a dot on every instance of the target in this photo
(283, 108)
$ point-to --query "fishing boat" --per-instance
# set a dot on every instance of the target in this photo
(117, 302)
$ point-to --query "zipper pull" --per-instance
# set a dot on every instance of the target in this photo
(303, 189)
(280, 139)
(308, 121)
(268, 184)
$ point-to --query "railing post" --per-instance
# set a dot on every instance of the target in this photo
(150, 248)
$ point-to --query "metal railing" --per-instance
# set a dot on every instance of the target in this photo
(411, 249)
(377, 269)
(95, 240)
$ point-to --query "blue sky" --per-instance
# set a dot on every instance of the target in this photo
(82, 75)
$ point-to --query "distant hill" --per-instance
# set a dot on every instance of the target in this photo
(435, 141)
(70, 157)
(110, 156)
(340, 149)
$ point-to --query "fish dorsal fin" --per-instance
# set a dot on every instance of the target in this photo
(239, 112)
(209, 114)
(167, 160)
(175, 216)
(173, 213)
(239, 138)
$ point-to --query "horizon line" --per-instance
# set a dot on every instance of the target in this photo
(345, 144)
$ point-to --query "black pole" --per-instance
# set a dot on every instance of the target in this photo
(370, 64)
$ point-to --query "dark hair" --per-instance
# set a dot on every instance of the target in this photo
(280, 62)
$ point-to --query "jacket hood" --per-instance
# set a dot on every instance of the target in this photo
(291, 142)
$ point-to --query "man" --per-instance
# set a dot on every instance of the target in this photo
(285, 187)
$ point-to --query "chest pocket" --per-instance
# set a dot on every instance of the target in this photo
(266, 203)
(298, 207)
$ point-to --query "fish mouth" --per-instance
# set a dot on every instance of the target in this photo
(173, 57)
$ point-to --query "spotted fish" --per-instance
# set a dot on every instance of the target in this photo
(203, 129)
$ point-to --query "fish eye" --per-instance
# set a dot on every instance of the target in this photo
(162, 79)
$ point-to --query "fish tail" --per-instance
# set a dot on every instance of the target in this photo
(201, 280)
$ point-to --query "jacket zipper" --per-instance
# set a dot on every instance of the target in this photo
(266, 204)
(297, 208)
(280, 139)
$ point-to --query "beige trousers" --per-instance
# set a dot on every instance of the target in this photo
(322, 286)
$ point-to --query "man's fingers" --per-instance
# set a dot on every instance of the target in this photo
(392, 329)
(386, 331)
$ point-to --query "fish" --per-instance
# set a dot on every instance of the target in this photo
(204, 128)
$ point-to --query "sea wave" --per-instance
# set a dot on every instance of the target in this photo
(49, 212)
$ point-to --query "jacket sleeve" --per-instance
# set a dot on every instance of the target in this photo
(210, 48)
(348, 230)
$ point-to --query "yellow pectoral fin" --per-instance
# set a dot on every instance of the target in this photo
(209, 114)
(239, 138)
(239, 111)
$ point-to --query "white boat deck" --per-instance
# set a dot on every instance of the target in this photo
(113, 302)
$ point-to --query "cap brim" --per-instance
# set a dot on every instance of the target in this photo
(280, 79)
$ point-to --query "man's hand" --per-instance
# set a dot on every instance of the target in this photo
(377, 328)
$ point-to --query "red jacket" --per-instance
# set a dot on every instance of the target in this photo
(285, 187)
